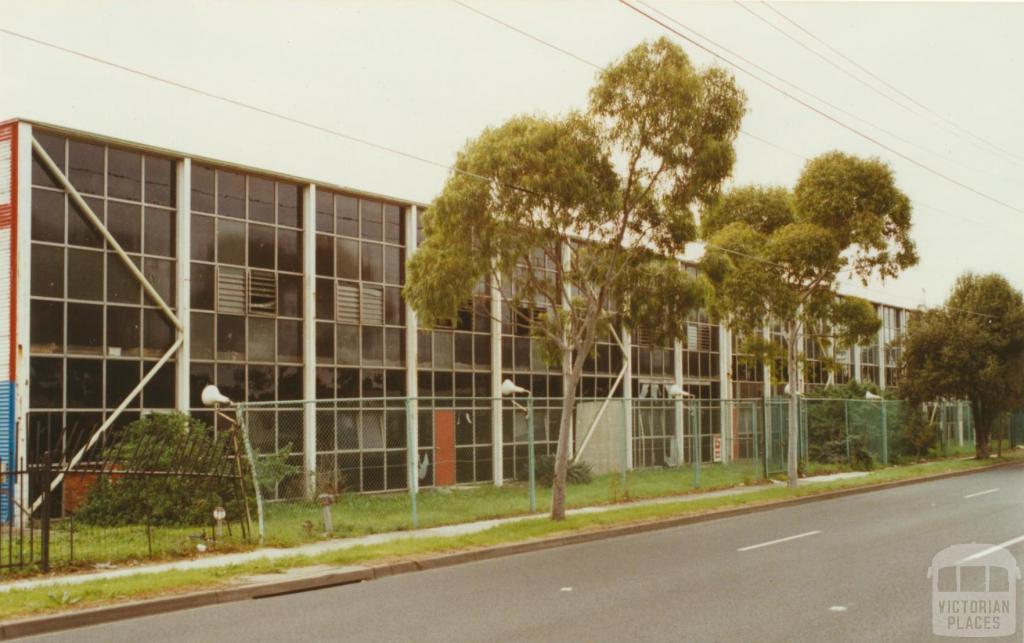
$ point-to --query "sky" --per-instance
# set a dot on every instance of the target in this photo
(423, 78)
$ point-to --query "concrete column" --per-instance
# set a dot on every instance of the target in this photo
(677, 379)
(725, 391)
(309, 336)
(856, 363)
(183, 242)
(23, 244)
(627, 391)
(881, 350)
(411, 349)
(960, 424)
(497, 420)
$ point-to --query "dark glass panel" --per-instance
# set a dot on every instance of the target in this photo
(393, 224)
(124, 220)
(324, 384)
(231, 242)
(202, 285)
(47, 377)
(85, 274)
(161, 181)
(394, 267)
(482, 350)
(85, 329)
(48, 215)
(371, 220)
(157, 333)
(289, 387)
(394, 346)
(324, 211)
(202, 188)
(347, 209)
(199, 376)
(261, 384)
(324, 255)
(348, 344)
(464, 385)
(159, 391)
(261, 339)
(81, 231)
(230, 337)
(289, 202)
(47, 271)
(54, 146)
(424, 348)
(261, 199)
(348, 382)
(230, 194)
(325, 343)
(289, 295)
(122, 377)
(482, 384)
(122, 286)
(160, 273)
(372, 262)
(85, 384)
(373, 345)
(124, 331)
(289, 340)
(231, 380)
(443, 384)
(289, 250)
(347, 255)
(261, 246)
(463, 350)
(372, 383)
(86, 167)
(124, 174)
(46, 334)
(442, 349)
(204, 238)
(394, 383)
(160, 232)
(325, 299)
(201, 333)
(394, 310)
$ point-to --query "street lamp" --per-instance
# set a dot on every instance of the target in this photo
(868, 395)
(678, 393)
(212, 397)
(511, 389)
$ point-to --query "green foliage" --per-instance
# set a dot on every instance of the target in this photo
(973, 349)
(544, 471)
(272, 468)
(161, 499)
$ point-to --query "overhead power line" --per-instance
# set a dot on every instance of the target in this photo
(811, 107)
(991, 146)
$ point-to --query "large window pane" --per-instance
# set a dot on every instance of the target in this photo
(202, 188)
(85, 330)
(202, 285)
(372, 220)
(124, 174)
(289, 340)
(82, 231)
(47, 271)
(124, 220)
(86, 167)
(230, 337)
(230, 242)
(261, 199)
(85, 274)
(393, 224)
(85, 384)
(159, 232)
(54, 146)
(122, 377)
(324, 211)
(122, 286)
(230, 194)
(203, 238)
(289, 295)
(289, 250)
(325, 299)
(47, 377)
(161, 181)
(373, 345)
(347, 255)
(261, 339)
(157, 333)
(47, 327)
(124, 331)
(160, 273)
(348, 344)
(159, 391)
(289, 200)
(202, 336)
(261, 384)
(347, 216)
(324, 255)
(261, 246)
(48, 215)
(372, 262)
(394, 267)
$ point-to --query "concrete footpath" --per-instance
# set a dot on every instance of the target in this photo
(340, 544)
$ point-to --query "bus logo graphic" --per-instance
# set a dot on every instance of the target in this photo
(974, 591)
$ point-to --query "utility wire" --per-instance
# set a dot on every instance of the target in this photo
(915, 114)
(811, 107)
(991, 146)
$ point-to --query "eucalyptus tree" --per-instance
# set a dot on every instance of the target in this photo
(571, 213)
(776, 256)
(972, 348)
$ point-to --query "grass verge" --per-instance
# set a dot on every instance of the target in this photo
(44, 600)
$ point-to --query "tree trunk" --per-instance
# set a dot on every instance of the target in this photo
(982, 433)
(792, 450)
(569, 384)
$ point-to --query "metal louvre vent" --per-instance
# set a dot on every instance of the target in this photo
(348, 303)
(373, 305)
(262, 292)
(231, 290)
(704, 338)
(643, 336)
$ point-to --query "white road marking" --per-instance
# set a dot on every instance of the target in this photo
(566, 589)
(779, 540)
(837, 608)
(992, 549)
(981, 493)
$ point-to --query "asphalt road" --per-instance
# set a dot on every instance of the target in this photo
(862, 576)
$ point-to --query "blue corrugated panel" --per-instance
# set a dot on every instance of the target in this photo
(7, 438)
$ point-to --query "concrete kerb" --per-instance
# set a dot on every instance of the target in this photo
(355, 574)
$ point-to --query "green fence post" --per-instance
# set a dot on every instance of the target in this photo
(885, 435)
(411, 460)
(846, 423)
(695, 422)
(530, 457)
(753, 439)
(766, 424)
(626, 410)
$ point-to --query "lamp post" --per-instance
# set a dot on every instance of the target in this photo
(212, 397)
(677, 393)
(511, 389)
(885, 425)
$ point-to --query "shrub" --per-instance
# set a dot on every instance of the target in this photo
(544, 471)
